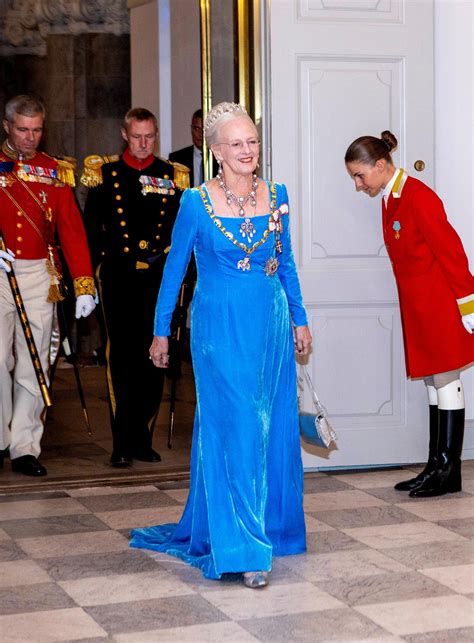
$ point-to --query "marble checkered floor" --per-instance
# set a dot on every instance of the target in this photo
(379, 567)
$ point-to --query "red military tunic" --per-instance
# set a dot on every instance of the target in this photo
(431, 270)
(41, 196)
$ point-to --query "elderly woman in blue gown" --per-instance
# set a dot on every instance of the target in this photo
(247, 320)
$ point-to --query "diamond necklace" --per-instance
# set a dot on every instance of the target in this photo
(240, 201)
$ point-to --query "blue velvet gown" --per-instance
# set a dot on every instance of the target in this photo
(246, 491)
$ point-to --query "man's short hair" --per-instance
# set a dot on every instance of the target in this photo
(24, 105)
(139, 114)
(197, 114)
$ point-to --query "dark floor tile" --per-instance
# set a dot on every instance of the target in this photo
(383, 588)
(40, 495)
(10, 550)
(53, 526)
(389, 494)
(176, 484)
(322, 542)
(140, 616)
(436, 554)
(33, 598)
(460, 635)
(328, 625)
(327, 483)
(127, 501)
(75, 567)
(365, 516)
(462, 526)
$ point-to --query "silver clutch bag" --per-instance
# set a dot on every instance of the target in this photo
(314, 427)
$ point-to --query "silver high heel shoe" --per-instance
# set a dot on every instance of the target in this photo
(255, 580)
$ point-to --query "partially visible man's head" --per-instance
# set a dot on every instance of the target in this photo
(23, 123)
(140, 129)
(196, 129)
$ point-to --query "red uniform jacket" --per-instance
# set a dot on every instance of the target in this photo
(57, 200)
(431, 270)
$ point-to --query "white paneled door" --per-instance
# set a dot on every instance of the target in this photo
(341, 69)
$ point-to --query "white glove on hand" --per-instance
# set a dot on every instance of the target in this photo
(6, 255)
(85, 304)
(468, 322)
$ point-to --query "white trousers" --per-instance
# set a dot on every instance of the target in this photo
(21, 402)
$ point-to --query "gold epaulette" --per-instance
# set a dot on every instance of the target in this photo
(91, 175)
(181, 176)
(66, 169)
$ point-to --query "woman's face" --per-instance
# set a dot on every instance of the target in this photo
(368, 178)
(238, 147)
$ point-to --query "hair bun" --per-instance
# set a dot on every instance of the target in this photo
(389, 139)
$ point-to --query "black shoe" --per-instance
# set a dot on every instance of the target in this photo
(147, 455)
(28, 465)
(3, 455)
(447, 478)
(423, 477)
(120, 460)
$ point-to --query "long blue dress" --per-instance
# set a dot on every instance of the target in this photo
(246, 489)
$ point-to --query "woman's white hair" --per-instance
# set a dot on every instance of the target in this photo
(220, 114)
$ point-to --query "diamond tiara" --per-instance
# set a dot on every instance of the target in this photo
(219, 110)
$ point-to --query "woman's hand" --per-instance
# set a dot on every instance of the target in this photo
(303, 340)
(159, 352)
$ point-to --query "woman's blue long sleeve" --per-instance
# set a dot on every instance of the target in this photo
(287, 269)
(182, 242)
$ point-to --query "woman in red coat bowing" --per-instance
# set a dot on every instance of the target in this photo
(436, 293)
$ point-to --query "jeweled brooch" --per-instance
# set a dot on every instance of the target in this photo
(397, 227)
(271, 266)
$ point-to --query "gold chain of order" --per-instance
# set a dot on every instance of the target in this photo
(229, 235)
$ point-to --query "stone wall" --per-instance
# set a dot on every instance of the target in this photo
(84, 81)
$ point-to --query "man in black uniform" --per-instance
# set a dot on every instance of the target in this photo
(191, 156)
(129, 215)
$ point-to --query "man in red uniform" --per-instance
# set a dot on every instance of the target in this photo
(36, 204)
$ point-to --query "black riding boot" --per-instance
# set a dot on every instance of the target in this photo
(447, 478)
(430, 468)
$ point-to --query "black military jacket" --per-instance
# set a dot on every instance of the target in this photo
(126, 225)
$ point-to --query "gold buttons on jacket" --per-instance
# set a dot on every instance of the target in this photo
(123, 223)
(114, 172)
(118, 197)
(120, 210)
(166, 176)
(160, 225)
(19, 213)
(162, 213)
(164, 199)
(125, 236)
(19, 225)
(20, 239)
(126, 249)
(116, 185)
(157, 237)
(143, 244)
(17, 252)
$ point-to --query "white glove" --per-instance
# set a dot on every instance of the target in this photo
(85, 304)
(468, 321)
(6, 255)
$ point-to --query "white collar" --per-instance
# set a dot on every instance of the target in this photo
(197, 151)
(388, 188)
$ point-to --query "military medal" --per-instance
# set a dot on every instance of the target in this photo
(6, 167)
(155, 185)
(397, 227)
(36, 174)
(271, 266)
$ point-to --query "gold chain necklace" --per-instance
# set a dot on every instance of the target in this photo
(242, 264)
